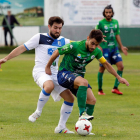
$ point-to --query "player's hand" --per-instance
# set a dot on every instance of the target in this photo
(48, 70)
(2, 61)
(124, 50)
(103, 40)
(123, 81)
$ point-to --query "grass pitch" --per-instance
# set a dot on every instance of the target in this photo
(116, 117)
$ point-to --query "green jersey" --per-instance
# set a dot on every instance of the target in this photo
(110, 29)
(77, 56)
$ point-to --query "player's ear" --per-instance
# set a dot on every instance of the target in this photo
(49, 26)
(87, 37)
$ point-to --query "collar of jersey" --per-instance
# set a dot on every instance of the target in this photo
(51, 37)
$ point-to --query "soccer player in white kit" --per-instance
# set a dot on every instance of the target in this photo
(45, 44)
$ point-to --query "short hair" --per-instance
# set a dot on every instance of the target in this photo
(108, 7)
(97, 34)
(55, 19)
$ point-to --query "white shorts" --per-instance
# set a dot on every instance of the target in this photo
(42, 77)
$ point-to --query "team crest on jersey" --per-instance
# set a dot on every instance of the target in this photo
(79, 55)
(92, 57)
(59, 43)
(71, 46)
(105, 27)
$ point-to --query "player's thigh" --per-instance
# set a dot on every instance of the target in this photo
(44, 80)
(90, 97)
(80, 81)
(67, 96)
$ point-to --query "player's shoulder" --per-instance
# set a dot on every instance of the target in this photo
(102, 20)
(114, 20)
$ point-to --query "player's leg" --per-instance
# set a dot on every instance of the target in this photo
(46, 84)
(5, 36)
(117, 60)
(120, 68)
(74, 81)
(90, 103)
(106, 54)
(65, 112)
(100, 80)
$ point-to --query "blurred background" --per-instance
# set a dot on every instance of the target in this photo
(80, 17)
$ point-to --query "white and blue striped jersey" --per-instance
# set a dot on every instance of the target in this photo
(44, 46)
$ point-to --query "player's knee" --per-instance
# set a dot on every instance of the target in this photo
(48, 87)
(84, 82)
(91, 101)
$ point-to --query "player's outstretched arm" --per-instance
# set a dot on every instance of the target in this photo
(113, 72)
(123, 48)
(51, 60)
(17, 51)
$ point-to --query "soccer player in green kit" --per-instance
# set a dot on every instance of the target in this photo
(110, 29)
(72, 70)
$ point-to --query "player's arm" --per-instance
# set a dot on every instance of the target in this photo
(123, 48)
(111, 70)
(51, 60)
(17, 51)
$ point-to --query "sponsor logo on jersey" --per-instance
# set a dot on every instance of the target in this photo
(59, 43)
(115, 25)
(77, 60)
(106, 31)
(84, 61)
(111, 44)
(79, 55)
(51, 50)
(92, 57)
(105, 27)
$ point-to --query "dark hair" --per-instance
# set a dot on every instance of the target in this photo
(97, 34)
(108, 7)
(55, 19)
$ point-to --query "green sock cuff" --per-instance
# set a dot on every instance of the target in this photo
(100, 74)
(82, 88)
(89, 109)
(120, 73)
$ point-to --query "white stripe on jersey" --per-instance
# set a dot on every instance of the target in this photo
(44, 47)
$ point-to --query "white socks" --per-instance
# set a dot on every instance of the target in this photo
(43, 98)
(65, 112)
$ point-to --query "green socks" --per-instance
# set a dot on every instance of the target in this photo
(89, 109)
(116, 80)
(100, 80)
(81, 98)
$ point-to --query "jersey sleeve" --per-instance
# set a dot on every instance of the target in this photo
(33, 42)
(100, 56)
(118, 29)
(68, 48)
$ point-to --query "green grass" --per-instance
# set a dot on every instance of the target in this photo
(116, 117)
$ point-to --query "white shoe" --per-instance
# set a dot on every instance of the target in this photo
(91, 134)
(34, 116)
(86, 116)
(65, 130)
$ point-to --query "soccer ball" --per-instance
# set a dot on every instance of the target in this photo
(83, 127)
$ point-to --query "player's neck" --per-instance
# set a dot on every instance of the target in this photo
(109, 19)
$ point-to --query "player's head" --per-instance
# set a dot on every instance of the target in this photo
(55, 26)
(108, 12)
(94, 39)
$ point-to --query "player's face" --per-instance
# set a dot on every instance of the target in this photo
(91, 44)
(55, 30)
(108, 14)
